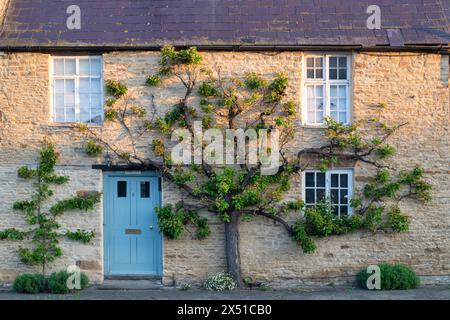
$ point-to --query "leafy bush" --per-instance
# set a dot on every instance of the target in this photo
(172, 221)
(220, 282)
(185, 287)
(12, 234)
(116, 88)
(153, 80)
(93, 149)
(30, 283)
(57, 282)
(393, 277)
(81, 235)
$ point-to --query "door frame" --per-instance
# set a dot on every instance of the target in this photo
(107, 203)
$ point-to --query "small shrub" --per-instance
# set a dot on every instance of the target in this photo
(93, 149)
(116, 88)
(393, 277)
(153, 80)
(264, 287)
(57, 282)
(207, 89)
(220, 282)
(30, 283)
(111, 115)
(185, 287)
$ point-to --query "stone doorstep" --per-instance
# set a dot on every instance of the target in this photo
(115, 284)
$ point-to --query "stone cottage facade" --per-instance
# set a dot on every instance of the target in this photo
(405, 66)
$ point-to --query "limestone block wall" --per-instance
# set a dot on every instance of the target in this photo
(412, 85)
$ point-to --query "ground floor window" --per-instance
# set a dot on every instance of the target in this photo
(335, 185)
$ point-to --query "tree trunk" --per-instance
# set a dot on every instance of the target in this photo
(232, 248)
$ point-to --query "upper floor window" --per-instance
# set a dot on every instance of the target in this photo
(335, 185)
(327, 88)
(77, 89)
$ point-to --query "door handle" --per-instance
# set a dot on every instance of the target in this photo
(150, 227)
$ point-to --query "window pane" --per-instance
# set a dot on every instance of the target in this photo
(70, 114)
(319, 117)
(59, 115)
(344, 180)
(310, 62)
(309, 179)
(342, 62)
(96, 66)
(85, 86)
(320, 179)
(96, 101)
(333, 104)
(334, 180)
(343, 196)
(311, 117)
(336, 210)
(70, 67)
(319, 73)
(334, 196)
(342, 104)
(58, 67)
(344, 210)
(333, 62)
(343, 117)
(319, 91)
(319, 104)
(84, 67)
(310, 73)
(69, 86)
(334, 115)
(319, 62)
(85, 115)
(320, 194)
(96, 115)
(121, 189)
(334, 91)
(309, 197)
(58, 100)
(145, 189)
(59, 86)
(69, 100)
(84, 101)
(342, 74)
(333, 74)
(310, 91)
(95, 85)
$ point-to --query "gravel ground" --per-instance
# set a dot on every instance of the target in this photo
(424, 293)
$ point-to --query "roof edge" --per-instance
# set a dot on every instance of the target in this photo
(407, 48)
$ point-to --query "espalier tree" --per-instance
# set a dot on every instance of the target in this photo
(44, 232)
(240, 192)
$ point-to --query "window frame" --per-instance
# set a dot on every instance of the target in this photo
(327, 83)
(328, 174)
(76, 78)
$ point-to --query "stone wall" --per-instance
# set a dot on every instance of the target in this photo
(412, 84)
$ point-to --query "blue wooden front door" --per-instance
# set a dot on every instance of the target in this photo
(133, 243)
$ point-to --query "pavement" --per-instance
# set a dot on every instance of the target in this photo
(93, 293)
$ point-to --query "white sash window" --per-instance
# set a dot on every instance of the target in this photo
(326, 88)
(77, 89)
(335, 185)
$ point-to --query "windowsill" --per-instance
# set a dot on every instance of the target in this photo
(318, 126)
(314, 126)
(71, 125)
